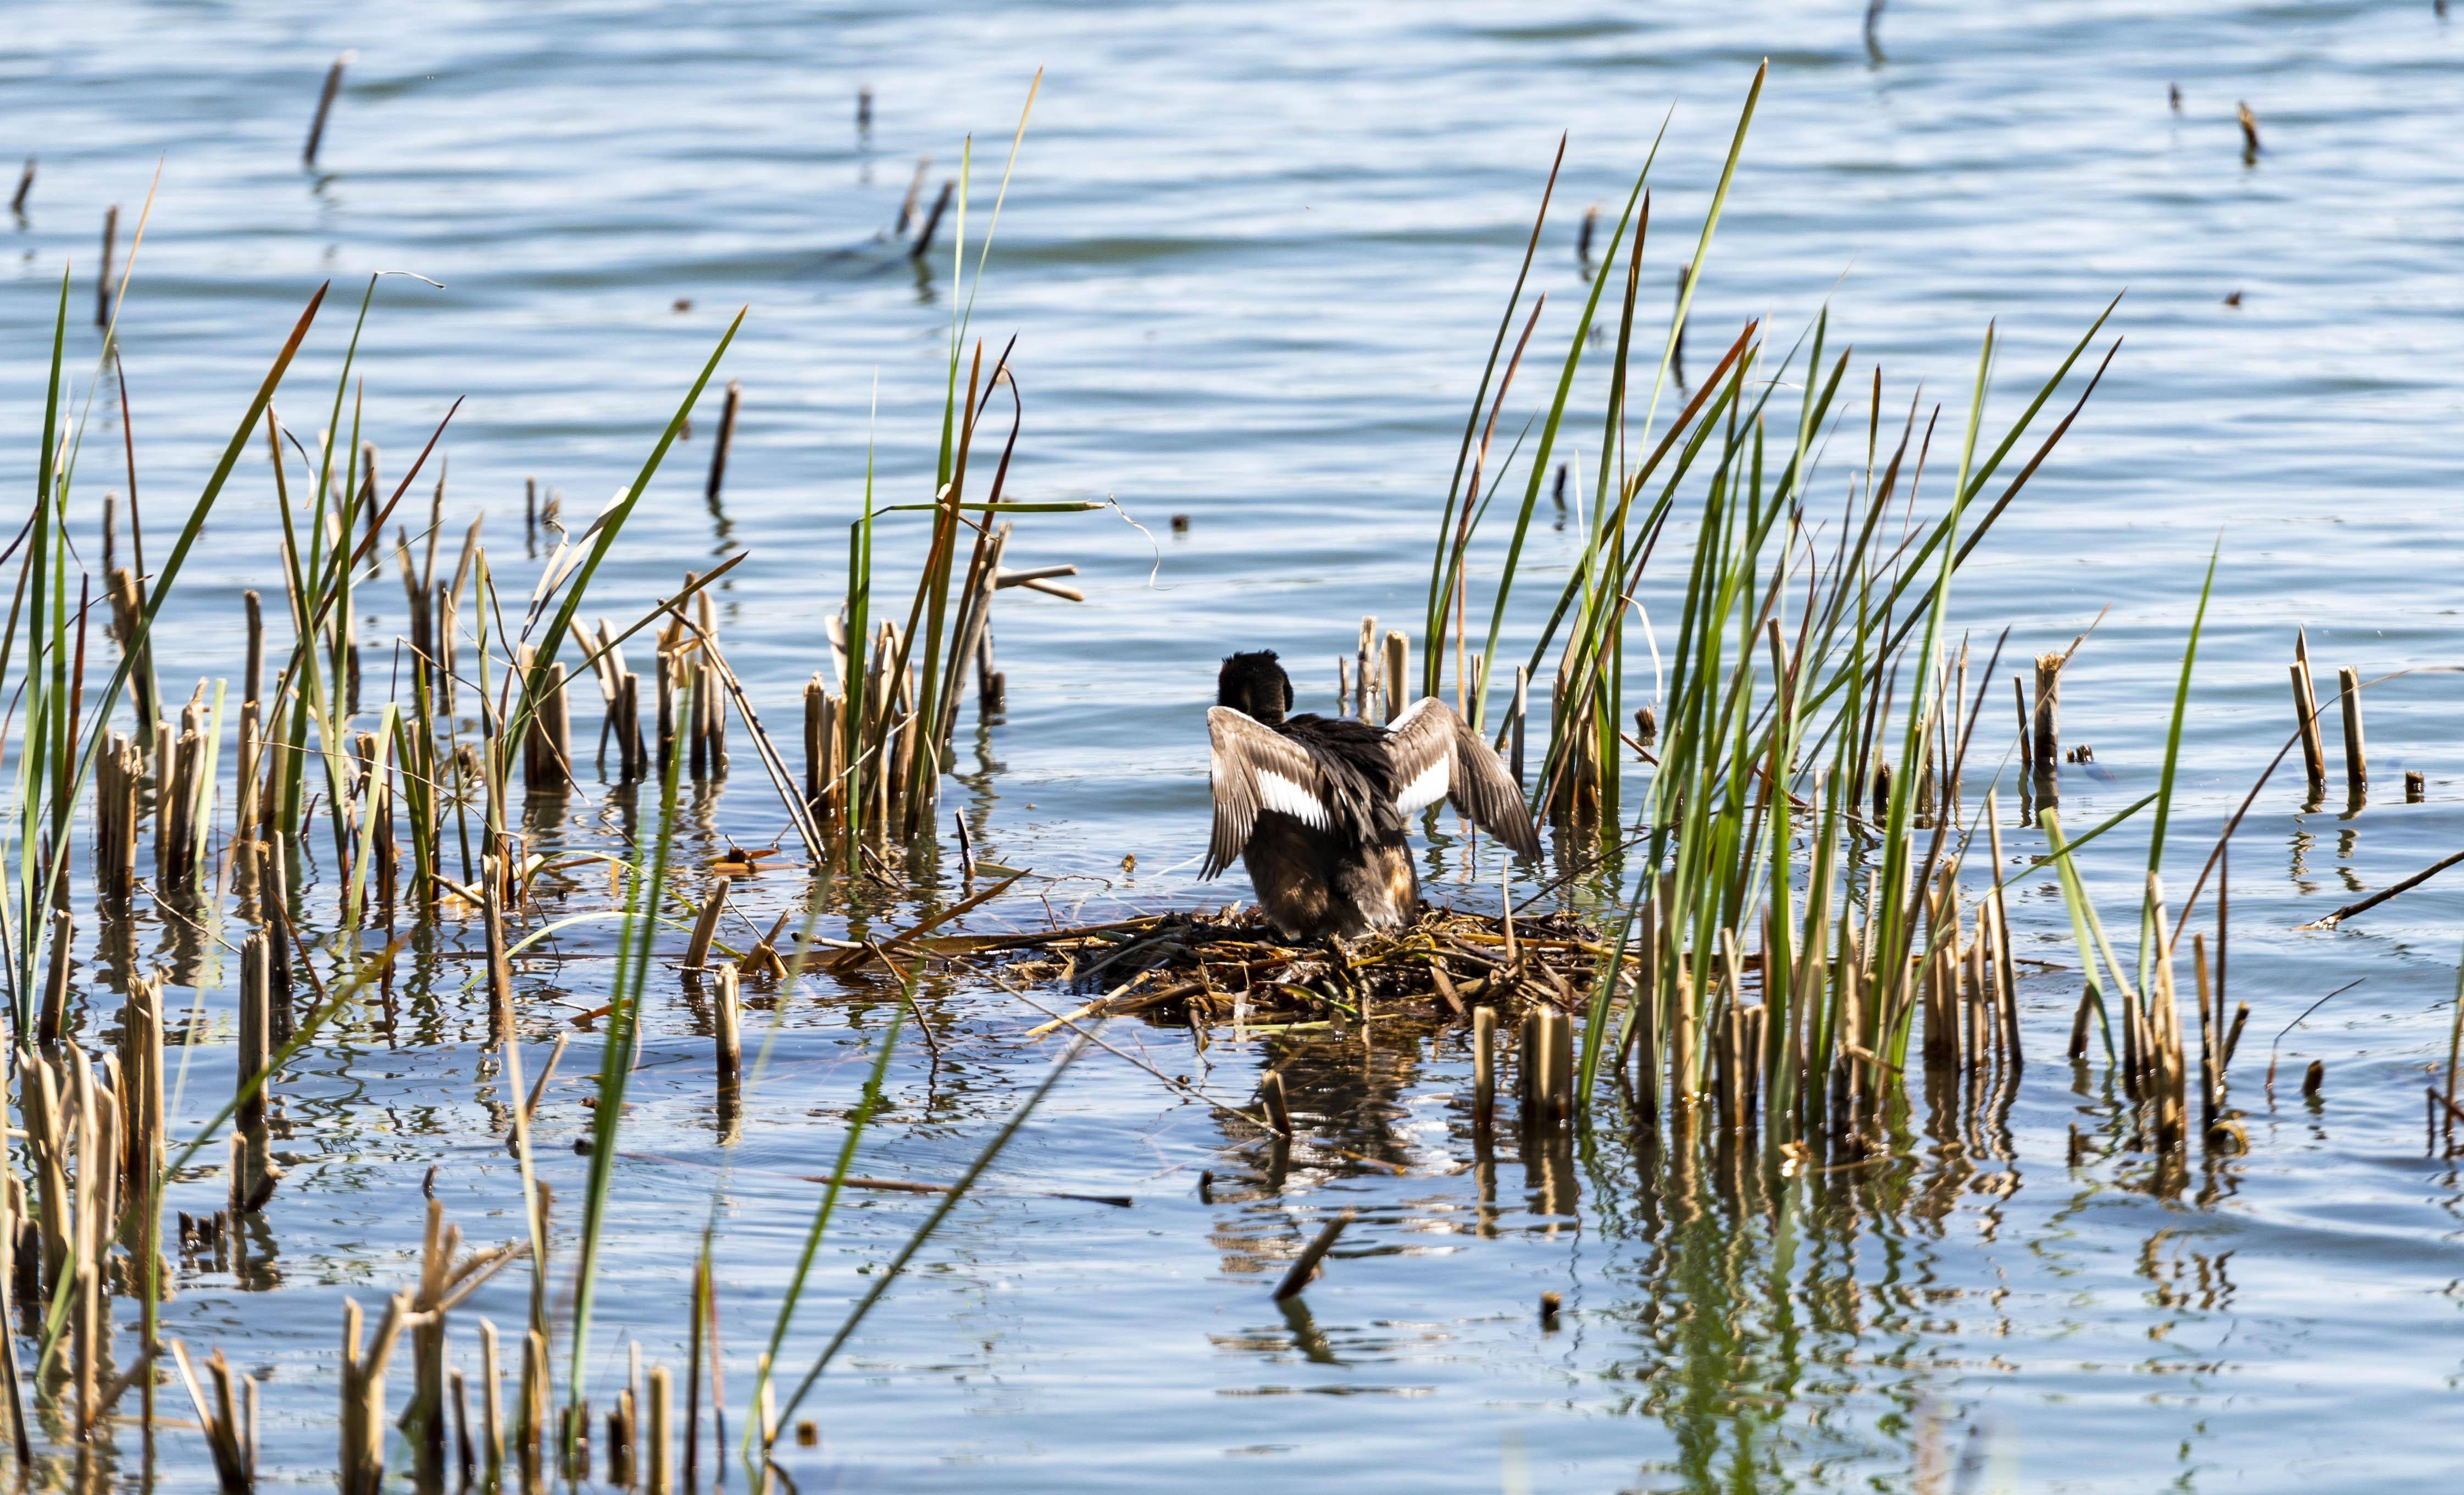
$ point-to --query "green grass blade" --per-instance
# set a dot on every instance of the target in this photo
(1556, 417)
(1702, 245)
(1440, 567)
(169, 571)
(866, 1109)
(616, 1059)
(2073, 844)
(2165, 779)
(603, 532)
(949, 1200)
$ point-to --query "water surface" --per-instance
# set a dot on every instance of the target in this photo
(1252, 257)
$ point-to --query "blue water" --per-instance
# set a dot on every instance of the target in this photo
(1252, 258)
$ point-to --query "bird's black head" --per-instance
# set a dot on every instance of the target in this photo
(1255, 685)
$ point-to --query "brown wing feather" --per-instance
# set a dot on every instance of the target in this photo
(1437, 756)
(1257, 771)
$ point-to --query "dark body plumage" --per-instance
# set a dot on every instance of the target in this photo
(1354, 875)
(1316, 807)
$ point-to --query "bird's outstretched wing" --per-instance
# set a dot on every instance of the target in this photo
(1438, 757)
(1258, 771)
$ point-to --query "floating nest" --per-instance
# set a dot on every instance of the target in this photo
(1234, 967)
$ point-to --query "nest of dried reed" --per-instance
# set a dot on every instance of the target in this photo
(1233, 966)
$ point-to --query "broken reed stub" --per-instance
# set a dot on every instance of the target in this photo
(2305, 713)
(914, 189)
(1279, 1115)
(547, 736)
(102, 282)
(252, 1171)
(500, 970)
(657, 1467)
(706, 926)
(53, 1020)
(923, 245)
(2045, 728)
(727, 1020)
(325, 106)
(2019, 703)
(1483, 1064)
(718, 448)
(1366, 673)
(1305, 1266)
(1548, 1089)
(2357, 765)
(1399, 657)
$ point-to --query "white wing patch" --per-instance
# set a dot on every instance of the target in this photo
(1427, 789)
(1281, 795)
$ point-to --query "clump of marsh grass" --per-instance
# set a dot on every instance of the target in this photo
(430, 800)
(878, 735)
(1798, 917)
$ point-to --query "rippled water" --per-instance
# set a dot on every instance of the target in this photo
(1252, 257)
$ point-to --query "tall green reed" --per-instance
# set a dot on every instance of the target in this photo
(645, 879)
(896, 700)
(53, 763)
(1797, 656)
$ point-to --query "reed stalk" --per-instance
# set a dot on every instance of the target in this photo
(1743, 974)
(647, 875)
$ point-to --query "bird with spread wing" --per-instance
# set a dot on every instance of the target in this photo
(1316, 807)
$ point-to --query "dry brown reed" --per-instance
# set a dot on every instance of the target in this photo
(724, 442)
(1305, 1266)
(252, 1174)
(325, 97)
(102, 281)
(2357, 766)
(2305, 713)
(363, 1367)
(229, 1426)
(923, 244)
